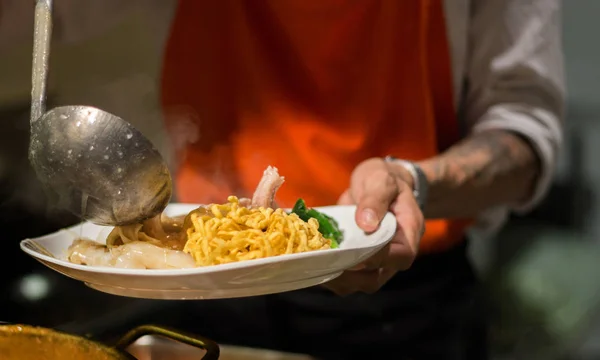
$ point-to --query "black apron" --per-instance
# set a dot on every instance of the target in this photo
(431, 311)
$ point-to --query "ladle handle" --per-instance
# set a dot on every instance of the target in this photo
(211, 347)
(42, 35)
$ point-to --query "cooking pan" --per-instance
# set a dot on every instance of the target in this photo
(27, 342)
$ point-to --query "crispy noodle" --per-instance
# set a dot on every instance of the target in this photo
(230, 233)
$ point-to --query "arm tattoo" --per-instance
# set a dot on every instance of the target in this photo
(488, 169)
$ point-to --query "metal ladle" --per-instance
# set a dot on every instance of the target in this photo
(93, 163)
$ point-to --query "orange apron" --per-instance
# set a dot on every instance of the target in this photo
(311, 87)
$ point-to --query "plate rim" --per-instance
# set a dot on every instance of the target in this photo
(195, 270)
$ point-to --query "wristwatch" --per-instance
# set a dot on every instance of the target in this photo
(421, 185)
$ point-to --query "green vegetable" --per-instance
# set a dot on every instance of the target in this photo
(328, 227)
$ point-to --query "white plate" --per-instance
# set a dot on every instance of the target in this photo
(240, 279)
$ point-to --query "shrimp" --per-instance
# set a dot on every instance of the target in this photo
(87, 252)
(133, 255)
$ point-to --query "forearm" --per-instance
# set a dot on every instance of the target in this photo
(485, 170)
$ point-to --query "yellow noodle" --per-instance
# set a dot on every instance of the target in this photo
(230, 233)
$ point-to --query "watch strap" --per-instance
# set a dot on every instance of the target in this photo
(419, 179)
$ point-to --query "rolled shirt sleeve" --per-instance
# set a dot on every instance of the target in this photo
(515, 78)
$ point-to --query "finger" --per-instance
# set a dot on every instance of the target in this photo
(366, 281)
(339, 286)
(346, 199)
(374, 197)
(405, 246)
(375, 261)
(358, 267)
(337, 290)
(344, 284)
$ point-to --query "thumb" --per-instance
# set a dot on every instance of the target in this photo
(375, 200)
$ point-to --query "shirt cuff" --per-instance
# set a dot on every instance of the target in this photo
(543, 131)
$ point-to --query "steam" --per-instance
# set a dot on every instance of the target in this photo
(182, 130)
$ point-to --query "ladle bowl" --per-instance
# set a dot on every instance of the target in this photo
(95, 164)
(98, 166)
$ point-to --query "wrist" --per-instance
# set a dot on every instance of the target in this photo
(412, 175)
(401, 172)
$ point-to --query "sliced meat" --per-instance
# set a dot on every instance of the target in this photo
(264, 195)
